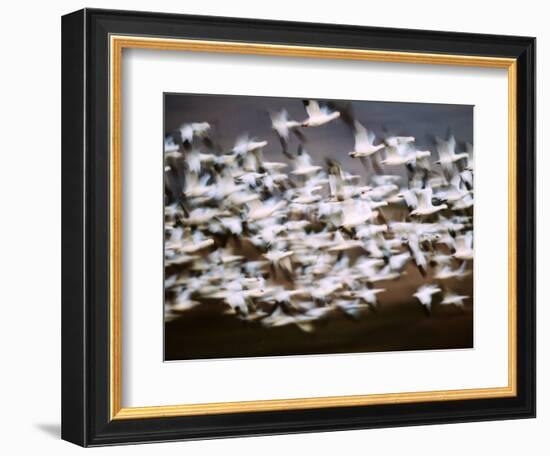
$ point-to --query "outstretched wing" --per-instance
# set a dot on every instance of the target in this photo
(312, 108)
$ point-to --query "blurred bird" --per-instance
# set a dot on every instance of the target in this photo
(283, 127)
(364, 142)
(317, 115)
(425, 295)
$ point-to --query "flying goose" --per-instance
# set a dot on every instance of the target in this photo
(395, 141)
(317, 115)
(189, 130)
(451, 298)
(353, 309)
(447, 154)
(464, 249)
(403, 154)
(280, 258)
(425, 206)
(425, 295)
(195, 159)
(303, 165)
(340, 244)
(367, 295)
(364, 142)
(195, 186)
(245, 144)
(445, 271)
(258, 210)
(283, 126)
(171, 149)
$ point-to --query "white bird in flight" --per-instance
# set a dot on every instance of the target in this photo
(189, 130)
(245, 144)
(317, 115)
(303, 165)
(425, 295)
(425, 206)
(447, 154)
(464, 247)
(452, 298)
(364, 142)
(283, 126)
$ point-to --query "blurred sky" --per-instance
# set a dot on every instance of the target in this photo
(232, 115)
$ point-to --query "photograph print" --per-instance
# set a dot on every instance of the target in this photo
(313, 226)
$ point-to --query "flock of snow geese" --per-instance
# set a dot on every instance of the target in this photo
(290, 243)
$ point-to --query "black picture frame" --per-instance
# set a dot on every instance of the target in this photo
(86, 416)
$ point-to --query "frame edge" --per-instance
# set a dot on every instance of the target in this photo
(73, 319)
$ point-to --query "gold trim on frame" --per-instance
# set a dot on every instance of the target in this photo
(117, 44)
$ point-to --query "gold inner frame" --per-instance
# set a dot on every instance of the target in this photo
(117, 44)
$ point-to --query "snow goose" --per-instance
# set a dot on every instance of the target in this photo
(303, 165)
(425, 295)
(318, 115)
(364, 142)
(425, 206)
(464, 249)
(283, 126)
(453, 299)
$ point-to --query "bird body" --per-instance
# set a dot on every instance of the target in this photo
(425, 205)
(451, 298)
(446, 272)
(189, 130)
(395, 141)
(262, 209)
(425, 295)
(195, 187)
(283, 126)
(201, 216)
(245, 144)
(171, 150)
(303, 165)
(180, 304)
(364, 142)
(341, 244)
(399, 261)
(367, 295)
(317, 115)
(447, 154)
(464, 250)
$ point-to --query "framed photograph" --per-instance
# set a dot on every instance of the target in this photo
(278, 227)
